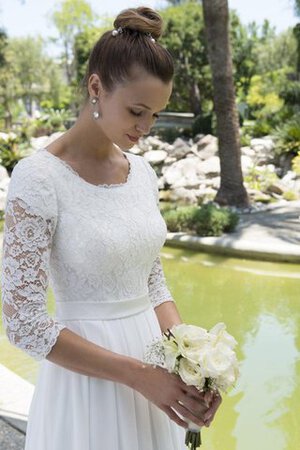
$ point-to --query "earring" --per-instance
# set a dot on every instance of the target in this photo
(96, 114)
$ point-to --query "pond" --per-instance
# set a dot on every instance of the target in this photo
(260, 304)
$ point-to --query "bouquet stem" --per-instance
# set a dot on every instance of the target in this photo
(193, 439)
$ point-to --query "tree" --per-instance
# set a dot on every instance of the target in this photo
(216, 19)
(73, 17)
(184, 38)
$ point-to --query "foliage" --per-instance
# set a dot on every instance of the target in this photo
(290, 196)
(50, 122)
(83, 44)
(180, 219)
(184, 38)
(10, 152)
(73, 17)
(288, 136)
(202, 124)
(211, 220)
(260, 178)
(296, 164)
(207, 220)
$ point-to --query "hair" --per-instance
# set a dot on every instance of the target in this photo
(114, 57)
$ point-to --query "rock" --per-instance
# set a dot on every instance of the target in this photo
(207, 147)
(136, 150)
(277, 188)
(6, 136)
(180, 149)
(182, 195)
(3, 174)
(265, 144)
(246, 162)
(248, 151)
(43, 141)
(184, 173)
(211, 167)
(156, 157)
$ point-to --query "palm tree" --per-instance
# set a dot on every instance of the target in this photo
(216, 18)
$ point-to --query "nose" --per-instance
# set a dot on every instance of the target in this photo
(144, 127)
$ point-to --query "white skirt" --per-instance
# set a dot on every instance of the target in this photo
(70, 411)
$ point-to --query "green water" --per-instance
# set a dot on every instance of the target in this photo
(260, 304)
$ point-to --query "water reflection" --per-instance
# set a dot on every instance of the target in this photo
(268, 379)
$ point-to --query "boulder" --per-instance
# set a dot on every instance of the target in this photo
(156, 157)
(184, 173)
(211, 167)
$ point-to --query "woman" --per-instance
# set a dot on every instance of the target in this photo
(84, 212)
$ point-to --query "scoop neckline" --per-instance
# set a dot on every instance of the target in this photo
(103, 185)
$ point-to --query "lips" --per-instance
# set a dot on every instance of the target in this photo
(133, 138)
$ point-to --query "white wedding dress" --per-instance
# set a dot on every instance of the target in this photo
(98, 247)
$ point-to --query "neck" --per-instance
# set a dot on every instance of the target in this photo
(85, 140)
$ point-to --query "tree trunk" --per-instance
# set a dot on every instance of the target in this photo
(216, 18)
(195, 99)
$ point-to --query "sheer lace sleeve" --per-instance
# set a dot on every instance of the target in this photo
(158, 290)
(30, 220)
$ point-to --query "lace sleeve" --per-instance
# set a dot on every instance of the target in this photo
(30, 220)
(158, 290)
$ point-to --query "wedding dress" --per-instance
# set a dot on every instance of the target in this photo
(98, 248)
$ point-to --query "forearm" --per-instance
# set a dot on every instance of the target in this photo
(76, 353)
(167, 315)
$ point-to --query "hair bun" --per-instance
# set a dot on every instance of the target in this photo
(142, 19)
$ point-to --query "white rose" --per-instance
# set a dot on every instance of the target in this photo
(216, 361)
(228, 378)
(219, 334)
(191, 340)
(191, 373)
(171, 353)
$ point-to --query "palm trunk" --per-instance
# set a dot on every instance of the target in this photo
(216, 18)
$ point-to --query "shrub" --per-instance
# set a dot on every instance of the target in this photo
(288, 136)
(10, 152)
(296, 164)
(211, 220)
(207, 220)
(180, 219)
(290, 196)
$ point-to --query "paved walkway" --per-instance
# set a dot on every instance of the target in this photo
(271, 235)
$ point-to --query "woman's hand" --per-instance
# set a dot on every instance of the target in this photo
(174, 397)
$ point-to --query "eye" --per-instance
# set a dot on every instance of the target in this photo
(135, 113)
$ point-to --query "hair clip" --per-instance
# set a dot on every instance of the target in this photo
(151, 37)
(118, 31)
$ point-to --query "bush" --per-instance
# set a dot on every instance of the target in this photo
(296, 164)
(207, 220)
(180, 219)
(211, 220)
(288, 136)
(202, 124)
(11, 152)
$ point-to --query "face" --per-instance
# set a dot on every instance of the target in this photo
(132, 108)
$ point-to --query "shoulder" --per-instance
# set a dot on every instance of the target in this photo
(31, 181)
(145, 163)
(33, 165)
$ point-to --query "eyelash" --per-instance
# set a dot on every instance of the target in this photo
(138, 114)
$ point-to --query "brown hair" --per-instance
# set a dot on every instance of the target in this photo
(113, 57)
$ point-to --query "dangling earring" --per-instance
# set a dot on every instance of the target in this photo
(96, 114)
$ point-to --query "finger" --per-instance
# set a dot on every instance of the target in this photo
(210, 414)
(173, 416)
(195, 405)
(184, 412)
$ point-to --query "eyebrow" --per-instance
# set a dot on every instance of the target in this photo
(145, 106)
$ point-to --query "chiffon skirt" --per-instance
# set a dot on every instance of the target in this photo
(70, 411)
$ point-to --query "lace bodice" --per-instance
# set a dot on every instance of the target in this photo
(94, 243)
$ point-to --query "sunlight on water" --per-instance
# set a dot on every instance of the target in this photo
(260, 304)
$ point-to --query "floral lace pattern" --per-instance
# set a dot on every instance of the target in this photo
(88, 243)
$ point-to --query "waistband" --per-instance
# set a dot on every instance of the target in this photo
(101, 310)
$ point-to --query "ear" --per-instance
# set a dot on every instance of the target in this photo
(94, 85)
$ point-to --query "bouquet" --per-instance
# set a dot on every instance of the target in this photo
(204, 359)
